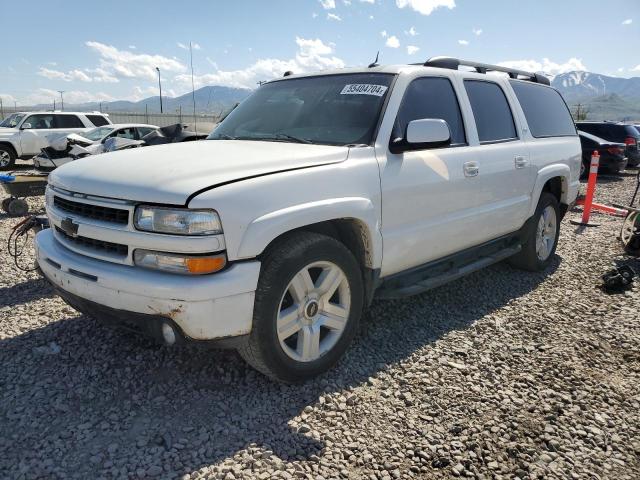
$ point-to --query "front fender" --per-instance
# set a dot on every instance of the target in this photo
(266, 228)
(569, 187)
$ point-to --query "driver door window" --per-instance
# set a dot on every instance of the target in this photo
(431, 97)
(124, 133)
(40, 122)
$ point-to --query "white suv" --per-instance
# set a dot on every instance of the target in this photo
(315, 194)
(23, 134)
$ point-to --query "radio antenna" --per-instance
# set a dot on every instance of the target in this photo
(375, 62)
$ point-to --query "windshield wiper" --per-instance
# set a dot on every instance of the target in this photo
(224, 136)
(286, 136)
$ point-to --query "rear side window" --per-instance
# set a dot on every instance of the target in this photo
(431, 97)
(494, 119)
(544, 109)
(98, 120)
(68, 121)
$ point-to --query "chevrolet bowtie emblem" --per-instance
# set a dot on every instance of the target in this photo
(68, 227)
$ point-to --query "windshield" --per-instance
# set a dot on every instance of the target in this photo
(97, 133)
(328, 110)
(12, 120)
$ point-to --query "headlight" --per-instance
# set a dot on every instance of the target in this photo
(178, 221)
(48, 197)
(179, 263)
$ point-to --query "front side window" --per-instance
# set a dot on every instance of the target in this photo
(491, 110)
(68, 121)
(125, 133)
(40, 121)
(544, 109)
(325, 110)
(430, 97)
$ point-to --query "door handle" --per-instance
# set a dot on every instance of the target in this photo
(471, 169)
(520, 161)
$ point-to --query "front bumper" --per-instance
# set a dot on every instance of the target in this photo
(207, 307)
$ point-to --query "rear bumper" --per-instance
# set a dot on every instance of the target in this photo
(206, 307)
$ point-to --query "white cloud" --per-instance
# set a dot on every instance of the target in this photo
(412, 32)
(392, 42)
(312, 55)
(185, 46)
(636, 68)
(426, 7)
(7, 99)
(383, 34)
(132, 47)
(411, 49)
(45, 95)
(477, 31)
(463, 42)
(628, 21)
(333, 16)
(346, 2)
(368, 1)
(72, 75)
(314, 15)
(124, 64)
(328, 4)
(370, 17)
(547, 66)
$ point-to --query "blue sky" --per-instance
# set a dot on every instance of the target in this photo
(108, 50)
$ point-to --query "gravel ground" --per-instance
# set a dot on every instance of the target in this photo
(503, 374)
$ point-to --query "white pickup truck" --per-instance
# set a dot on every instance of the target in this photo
(314, 195)
(23, 134)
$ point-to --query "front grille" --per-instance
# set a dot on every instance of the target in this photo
(106, 214)
(92, 243)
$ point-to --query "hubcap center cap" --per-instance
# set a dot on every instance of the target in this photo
(311, 309)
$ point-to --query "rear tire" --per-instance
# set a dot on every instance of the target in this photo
(5, 204)
(17, 207)
(7, 157)
(538, 249)
(307, 307)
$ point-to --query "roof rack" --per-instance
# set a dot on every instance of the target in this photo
(454, 64)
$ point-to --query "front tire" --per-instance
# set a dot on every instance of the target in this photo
(307, 307)
(7, 157)
(540, 245)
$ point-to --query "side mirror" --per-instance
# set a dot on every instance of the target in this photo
(25, 126)
(423, 134)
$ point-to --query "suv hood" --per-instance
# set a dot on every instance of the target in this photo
(169, 174)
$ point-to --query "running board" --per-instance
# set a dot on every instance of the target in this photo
(398, 287)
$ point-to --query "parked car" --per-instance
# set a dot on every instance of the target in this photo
(317, 193)
(90, 143)
(611, 154)
(616, 132)
(23, 134)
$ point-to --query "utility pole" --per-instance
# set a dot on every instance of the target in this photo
(1, 109)
(61, 99)
(193, 90)
(160, 87)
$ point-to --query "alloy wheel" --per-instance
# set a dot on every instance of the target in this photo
(546, 233)
(314, 311)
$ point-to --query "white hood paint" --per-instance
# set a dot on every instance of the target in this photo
(169, 174)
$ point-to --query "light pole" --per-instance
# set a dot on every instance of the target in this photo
(160, 87)
(61, 100)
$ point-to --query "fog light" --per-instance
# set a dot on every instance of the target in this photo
(169, 334)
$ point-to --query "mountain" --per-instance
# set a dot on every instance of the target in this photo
(211, 99)
(601, 96)
(583, 85)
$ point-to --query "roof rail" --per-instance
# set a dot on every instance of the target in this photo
(454, 64)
